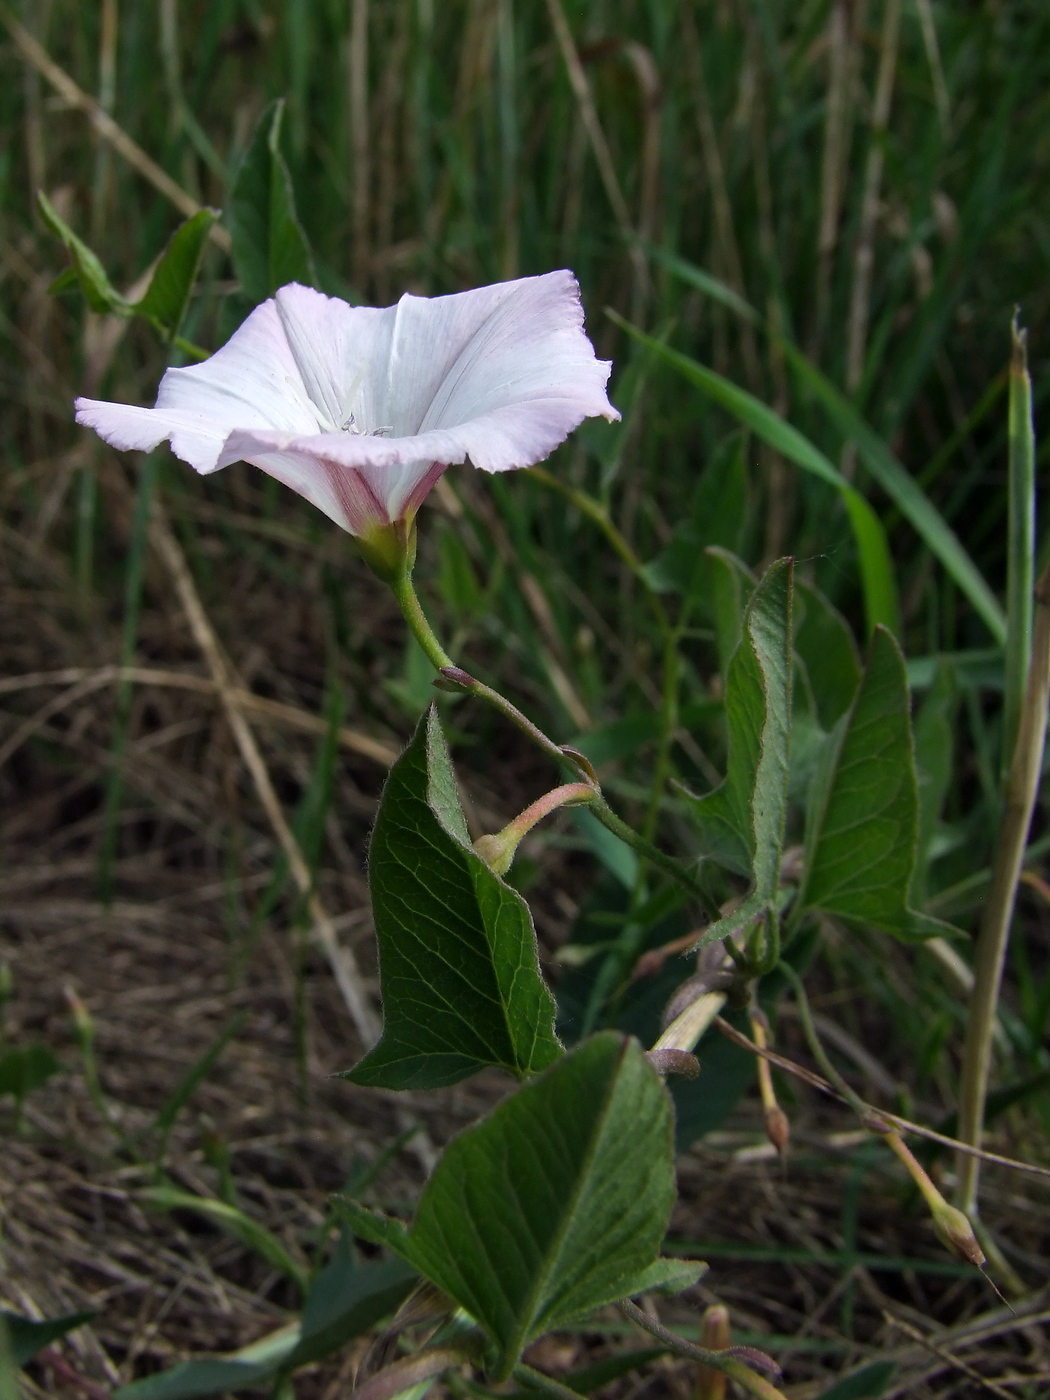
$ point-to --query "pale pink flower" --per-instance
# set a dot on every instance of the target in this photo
(360, 410)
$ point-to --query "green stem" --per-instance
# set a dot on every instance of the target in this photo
(412, 611)
(651, 852)
(463, 681)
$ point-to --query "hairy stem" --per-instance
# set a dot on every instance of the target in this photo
(734, 1361)
(1022, 789)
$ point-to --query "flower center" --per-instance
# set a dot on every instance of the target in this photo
(346, 421)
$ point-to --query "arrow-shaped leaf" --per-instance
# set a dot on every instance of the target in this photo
(269, 245)
(458, 962)
(555, 1204)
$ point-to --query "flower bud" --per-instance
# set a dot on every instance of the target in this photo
(667, 1062)
(497, 850)
(714, 1336)
(955, 1232)
(83, 1025)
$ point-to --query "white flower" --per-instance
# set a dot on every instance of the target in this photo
(360, 410)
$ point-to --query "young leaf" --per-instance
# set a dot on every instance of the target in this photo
(269, 245)
(346, 1299)
(742, 822)
(171, 285)
(862, 820)
(555, 1204)
(27, 1335)
(458, 962)
(98, 290)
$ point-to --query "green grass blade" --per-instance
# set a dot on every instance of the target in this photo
(881, 603)
(904, 491)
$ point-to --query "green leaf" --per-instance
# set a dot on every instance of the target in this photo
(742, 822)
(876, 566)
(556, 1203)
(668, 1276)
(236, 1223)
(862, 822)
(458, 962)
(98, 290)
(825, 645)
(171, 285)
(25, 1068)
(346, 1299)
(866, 1384)
(269, 245)
(27, 1336)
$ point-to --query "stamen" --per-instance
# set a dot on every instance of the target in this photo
(346, 417)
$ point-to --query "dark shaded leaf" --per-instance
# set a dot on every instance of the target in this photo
(217, 1375)
(269, 245)
(717, 517)
(862, 822)
(171, 285)
(876, 564)
(346, 1299)
(28, 1336)
(458, 961)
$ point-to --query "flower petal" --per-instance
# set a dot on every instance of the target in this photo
(243, 385)
(511, 344)
(501, 374)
